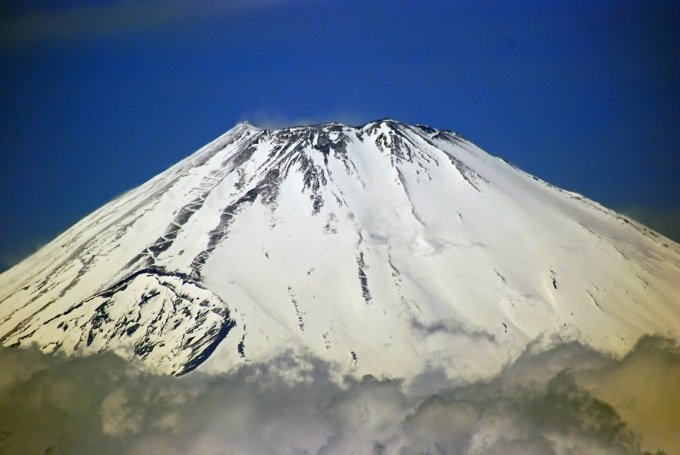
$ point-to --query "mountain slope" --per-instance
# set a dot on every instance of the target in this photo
(385, 249)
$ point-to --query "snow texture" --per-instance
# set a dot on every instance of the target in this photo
(384, 249)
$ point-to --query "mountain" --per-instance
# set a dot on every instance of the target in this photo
(385, 249)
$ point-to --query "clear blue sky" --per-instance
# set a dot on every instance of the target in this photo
(99, 96)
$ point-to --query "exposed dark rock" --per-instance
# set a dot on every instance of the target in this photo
(363, 279)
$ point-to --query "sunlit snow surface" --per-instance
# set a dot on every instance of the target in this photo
(386, 249)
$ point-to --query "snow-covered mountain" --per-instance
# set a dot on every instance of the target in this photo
(385, 249)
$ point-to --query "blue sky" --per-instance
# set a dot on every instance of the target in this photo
(99, 96)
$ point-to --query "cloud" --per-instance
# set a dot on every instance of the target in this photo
(451, 327)
(277, 120)
(564, 399)
(644, 390)
(88, 20)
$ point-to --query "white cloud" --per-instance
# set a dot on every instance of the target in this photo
(546, 402)
(277, 120)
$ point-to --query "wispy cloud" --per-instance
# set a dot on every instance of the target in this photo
(276, 120)
(451, 327)
(566, 395)
(90, 20)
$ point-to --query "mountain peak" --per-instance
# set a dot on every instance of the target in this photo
(246, 124)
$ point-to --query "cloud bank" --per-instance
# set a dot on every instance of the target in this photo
(562, 399)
